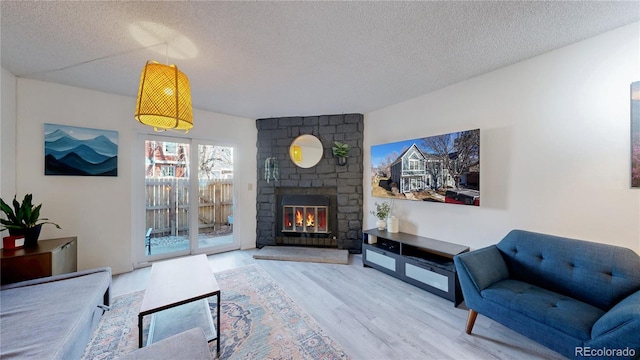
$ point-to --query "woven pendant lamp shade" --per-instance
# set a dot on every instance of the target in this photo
(164, 98)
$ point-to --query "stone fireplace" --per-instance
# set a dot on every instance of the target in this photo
(319, 206)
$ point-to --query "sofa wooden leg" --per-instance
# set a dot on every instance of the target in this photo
(471, 320)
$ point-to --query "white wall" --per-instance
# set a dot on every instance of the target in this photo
(7, 135)
(99, 209)
(554, 146)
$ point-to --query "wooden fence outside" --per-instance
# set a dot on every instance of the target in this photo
(167, 203)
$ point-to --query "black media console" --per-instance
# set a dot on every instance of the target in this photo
(420, 261)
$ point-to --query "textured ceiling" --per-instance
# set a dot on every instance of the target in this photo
(267, 59)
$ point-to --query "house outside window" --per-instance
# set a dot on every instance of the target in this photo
(168, 171)
(414, 164)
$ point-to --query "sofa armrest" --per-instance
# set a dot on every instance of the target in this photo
(107, 295)
(483, 266)
(622, 315)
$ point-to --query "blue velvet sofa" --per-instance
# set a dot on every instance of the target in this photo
(52, 317)
(579, 298)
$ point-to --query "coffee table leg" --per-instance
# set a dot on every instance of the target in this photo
(139, 330)
(219, 332)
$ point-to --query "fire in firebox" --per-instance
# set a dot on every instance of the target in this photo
(310, 220)
(305, 219)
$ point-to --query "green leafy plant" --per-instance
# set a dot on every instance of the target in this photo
(340, 150)
(382, 210)
(23, 215)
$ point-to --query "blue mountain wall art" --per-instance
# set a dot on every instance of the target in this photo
(70, 150)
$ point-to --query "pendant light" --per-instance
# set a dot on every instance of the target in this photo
(164, 98)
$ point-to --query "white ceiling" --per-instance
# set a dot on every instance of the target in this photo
(268, 59)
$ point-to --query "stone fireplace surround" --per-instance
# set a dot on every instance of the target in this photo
(342, 184)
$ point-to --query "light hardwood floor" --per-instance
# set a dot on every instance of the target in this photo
(373, 315)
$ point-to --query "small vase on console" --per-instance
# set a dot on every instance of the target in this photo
(392, 224)
(381, 224)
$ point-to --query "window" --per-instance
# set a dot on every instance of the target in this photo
(167, 171)
(414, 164)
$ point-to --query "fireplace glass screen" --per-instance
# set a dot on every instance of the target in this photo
(305, 219)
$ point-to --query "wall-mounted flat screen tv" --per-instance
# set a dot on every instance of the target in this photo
(442, 168)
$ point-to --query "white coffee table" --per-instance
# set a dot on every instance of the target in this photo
(176, 297)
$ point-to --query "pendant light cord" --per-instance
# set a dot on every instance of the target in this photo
(97, 59)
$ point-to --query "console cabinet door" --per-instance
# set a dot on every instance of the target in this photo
(380, 259)
(427, 277)
(64, 259)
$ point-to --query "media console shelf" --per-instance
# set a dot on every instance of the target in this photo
(420, 261)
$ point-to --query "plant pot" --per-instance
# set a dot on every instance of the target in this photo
(31, 236)
(381, 224)
(342, 160)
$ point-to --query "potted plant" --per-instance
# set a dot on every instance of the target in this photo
(24, 219)
(382, 212)
(341, 151)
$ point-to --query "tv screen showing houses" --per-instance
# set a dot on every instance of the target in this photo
(442, 168)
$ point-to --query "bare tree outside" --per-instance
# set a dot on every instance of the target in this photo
(457, 151)
(213, 160)
(440, 146)
(385, 166)
(435, 170)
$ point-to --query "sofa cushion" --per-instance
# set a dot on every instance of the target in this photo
(598, 274)
(50, 320)
(560, 312)
(486, 266)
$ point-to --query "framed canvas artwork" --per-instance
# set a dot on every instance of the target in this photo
(443, 168)
(70, 150)
(635, 134)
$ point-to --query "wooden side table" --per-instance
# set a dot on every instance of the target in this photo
(50, 257)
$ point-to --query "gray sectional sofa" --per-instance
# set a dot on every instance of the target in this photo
(579, 298)
(52, 317)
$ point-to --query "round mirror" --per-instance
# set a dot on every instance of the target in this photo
(306, 151)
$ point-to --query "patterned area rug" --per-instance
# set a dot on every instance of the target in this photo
(258, 321)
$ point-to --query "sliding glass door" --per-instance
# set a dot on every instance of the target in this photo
(167, 164)
(215, 197)
(188, 198)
